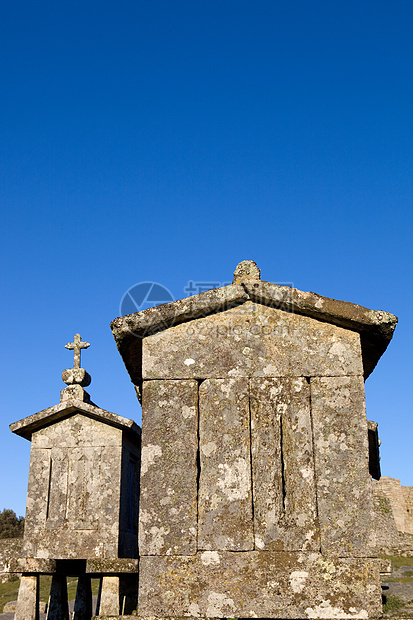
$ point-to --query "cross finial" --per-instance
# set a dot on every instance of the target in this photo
(76, 346)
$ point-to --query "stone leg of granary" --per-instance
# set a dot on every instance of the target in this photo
(109, 596)
(58, 607)
(128, 593)
(83, 602)
(27, 607)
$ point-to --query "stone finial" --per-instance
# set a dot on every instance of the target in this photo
(76, 347)
(246, 270)
(76, 375)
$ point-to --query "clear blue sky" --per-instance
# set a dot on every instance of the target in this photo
(166, 141)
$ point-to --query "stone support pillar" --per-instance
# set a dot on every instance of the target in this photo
(83, 602)
(58, 608)
(27, 607)
(109, 596)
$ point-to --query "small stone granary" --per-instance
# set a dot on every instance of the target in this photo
(256, 498)
(82, 502)
(255, 493)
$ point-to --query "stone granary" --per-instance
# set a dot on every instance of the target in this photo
(255, 492)
(82, 503)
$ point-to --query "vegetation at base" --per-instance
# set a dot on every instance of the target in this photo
(399, 579)
(393, 603)
(11, 526)
(8, 592)
(399, 560)
(10, 589)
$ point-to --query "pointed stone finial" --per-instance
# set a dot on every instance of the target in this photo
(76, 375)
(246, 270)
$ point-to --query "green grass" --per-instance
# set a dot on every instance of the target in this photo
(10, 589)
(399, 580)
(393, 603)
(8, 592)
(399, 560)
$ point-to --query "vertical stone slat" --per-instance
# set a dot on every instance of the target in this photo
(225, 497)
(341, 455)
(168, 508)
(57, 513)
(285, 510)
(267, 467)
(300, 505)
(38, 489)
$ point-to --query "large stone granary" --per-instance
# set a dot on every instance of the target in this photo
(255, 493)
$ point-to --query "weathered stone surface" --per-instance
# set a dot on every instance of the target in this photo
(69, 406)
(168, 508)
(109, 596)
(401, 501)
(75, 432)
(375, 327)
(259, 584)
(10, 551)
(37, 493)
(76, 376)
(246, 270)
(251, 340)
(32, 565)
(344, 487)
(285, 508)
(28, 599)
(120, 565)
(71, 488)
(225, 502)
(73, 505)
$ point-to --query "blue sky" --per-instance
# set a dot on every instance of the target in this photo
(167, 141)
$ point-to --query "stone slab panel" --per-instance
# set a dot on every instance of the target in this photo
(65, 544)
(73, 489)
(285, 507)
(117, 566)
(252, 340)
(58, 487)
(168, 506)
(225, 499)
(84, 498)
(344, 488)
(259, 585)
(32, 565)
(37, 493)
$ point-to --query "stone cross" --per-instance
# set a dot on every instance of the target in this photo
(77, 345)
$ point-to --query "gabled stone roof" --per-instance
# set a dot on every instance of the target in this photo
(375, 327)
(26, 427)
